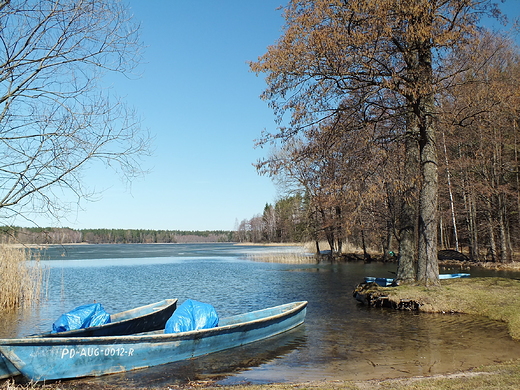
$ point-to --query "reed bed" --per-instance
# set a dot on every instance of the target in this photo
(282, 257)
(23, 280)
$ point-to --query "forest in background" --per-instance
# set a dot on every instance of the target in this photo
(49, 236)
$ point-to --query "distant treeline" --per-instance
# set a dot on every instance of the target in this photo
(22, 235)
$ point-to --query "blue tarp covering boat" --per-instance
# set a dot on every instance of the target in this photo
(141, 319)
(84, 316)
(40, 359)
(192, 315)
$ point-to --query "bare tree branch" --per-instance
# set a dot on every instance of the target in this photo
(55, 117)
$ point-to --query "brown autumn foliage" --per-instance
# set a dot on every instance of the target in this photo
(362, 82)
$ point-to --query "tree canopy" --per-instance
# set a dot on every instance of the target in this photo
(370, 71)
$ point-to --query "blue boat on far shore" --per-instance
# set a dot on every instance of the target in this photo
(386, 282)
(141, 319)
(50, 358)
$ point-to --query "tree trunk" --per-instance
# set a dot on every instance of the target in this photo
(388, 243)
(408, 218)
(504, 252)
(366, 256)
(471, 220)
(492, 246)
(329, 231)
(428, 264)
(339, 230)
(428, 268)
(450, 192)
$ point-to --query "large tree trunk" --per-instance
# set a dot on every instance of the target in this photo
(408, 217)
(428, 268)
(428, 264)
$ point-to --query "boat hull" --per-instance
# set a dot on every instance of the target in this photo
(7, 369)
(141, 319)
(57, 358)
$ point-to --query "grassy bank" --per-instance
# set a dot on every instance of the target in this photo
(495, 298)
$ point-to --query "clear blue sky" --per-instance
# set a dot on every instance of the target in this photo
(198, 98)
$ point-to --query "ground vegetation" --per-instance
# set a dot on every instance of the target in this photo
(495, 298)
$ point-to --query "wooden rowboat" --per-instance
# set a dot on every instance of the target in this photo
(384, 282)
(141, 319)
(51, 358)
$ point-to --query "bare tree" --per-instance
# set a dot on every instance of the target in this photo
(480, 116)
(56, 117)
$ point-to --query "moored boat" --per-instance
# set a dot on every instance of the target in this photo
(385, 282)
(453, 276)
(48, 358)
(141, 319)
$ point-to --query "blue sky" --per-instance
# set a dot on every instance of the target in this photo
(200, 101)
(198, 98)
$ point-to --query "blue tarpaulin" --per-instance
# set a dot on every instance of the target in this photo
(192, 315)
(81, 317)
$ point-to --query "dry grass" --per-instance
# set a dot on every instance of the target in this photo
(10, 385)
(346, 248)
(282, 257)
(22, 278)
(311, 246)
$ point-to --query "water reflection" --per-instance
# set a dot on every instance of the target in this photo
(342, 339)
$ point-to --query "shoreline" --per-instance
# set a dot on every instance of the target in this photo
(504, 375)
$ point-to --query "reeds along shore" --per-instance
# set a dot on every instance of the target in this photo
(22, 280)
(285, 258)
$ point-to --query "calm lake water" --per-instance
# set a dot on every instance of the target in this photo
(340, 339)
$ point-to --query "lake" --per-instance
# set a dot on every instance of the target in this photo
(340, 339)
